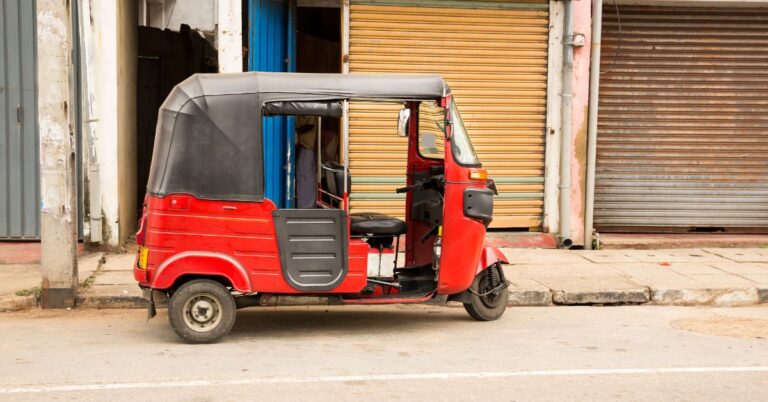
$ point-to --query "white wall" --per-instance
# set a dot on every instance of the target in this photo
(104, 47)
(198, 14)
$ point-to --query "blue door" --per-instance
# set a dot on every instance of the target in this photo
(271, 44)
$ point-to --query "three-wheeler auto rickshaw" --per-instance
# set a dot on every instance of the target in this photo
(212, 242)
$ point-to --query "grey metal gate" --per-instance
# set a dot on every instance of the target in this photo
(683, 120)
(19, 177)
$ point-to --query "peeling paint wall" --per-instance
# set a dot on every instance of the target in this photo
(582, 21)
(229, 36)
(58, 218)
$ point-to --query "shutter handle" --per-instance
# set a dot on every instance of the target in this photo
(19, 115)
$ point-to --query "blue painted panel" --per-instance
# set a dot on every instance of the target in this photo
(268, 51)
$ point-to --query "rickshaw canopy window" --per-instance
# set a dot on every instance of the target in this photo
(208, 141)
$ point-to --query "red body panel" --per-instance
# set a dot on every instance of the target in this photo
(491, 255)
(235, 240)
(463, 237)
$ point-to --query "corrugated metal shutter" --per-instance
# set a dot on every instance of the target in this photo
(494, 56)
(19, 178)
(683, 119)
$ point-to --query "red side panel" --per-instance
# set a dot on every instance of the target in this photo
(232, 239)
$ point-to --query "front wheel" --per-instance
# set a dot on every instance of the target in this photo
(202, 311)
(488, 295)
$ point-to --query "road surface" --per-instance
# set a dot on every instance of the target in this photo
(400, 353)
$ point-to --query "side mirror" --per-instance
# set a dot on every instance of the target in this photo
(402, 122)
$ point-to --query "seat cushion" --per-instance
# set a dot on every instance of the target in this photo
(373, 223)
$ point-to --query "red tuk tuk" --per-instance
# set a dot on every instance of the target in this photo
(211, 242)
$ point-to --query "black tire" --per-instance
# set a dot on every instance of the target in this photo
(202, 311)
(488, 307)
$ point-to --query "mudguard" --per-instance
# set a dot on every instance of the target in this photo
(491, 255)
(201, 263)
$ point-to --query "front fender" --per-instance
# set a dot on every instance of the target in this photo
(201, 263)
(491, 255)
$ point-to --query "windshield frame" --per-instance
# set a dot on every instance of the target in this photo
(459, 131)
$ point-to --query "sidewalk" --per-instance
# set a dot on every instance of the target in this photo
(20, 283)
(684, 277)
(540, 277)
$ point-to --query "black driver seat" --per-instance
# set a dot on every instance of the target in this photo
(362, 223)
(376, 224)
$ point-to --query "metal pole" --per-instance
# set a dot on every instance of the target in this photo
(567, 119)
(594, 98)
(319, 143)
(345, 133)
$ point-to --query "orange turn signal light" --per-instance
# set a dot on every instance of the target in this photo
(481, 174)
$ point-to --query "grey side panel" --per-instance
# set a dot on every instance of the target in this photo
(313, 247)
(19, 177)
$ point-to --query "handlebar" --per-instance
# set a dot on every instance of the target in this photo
(420, 185)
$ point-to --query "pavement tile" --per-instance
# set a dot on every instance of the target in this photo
(119, 262)
(607, 256)
(742, 268)
(87, 265)
(723, 281)
(654, 275)
(759, 279)
(674, 255)
(562, 270)
(741, 254)
(542, 256)
(687, 268)
(114, 278)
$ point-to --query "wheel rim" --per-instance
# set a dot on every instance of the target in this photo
(202, 312)
(491, 300)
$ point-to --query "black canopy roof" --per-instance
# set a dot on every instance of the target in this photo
(209, 141)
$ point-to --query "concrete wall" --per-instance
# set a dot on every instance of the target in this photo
(114, 48)
(127, 53)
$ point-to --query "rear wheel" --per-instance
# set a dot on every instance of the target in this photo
(202, 311)
(488, 296)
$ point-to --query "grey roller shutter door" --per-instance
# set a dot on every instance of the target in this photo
(683, 121)
(19, 177)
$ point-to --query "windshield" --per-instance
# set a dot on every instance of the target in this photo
(460, 144)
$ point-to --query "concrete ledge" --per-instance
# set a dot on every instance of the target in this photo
(607, 296)
(724, 297)
(13, 302)
(522, 298)
(111, 302)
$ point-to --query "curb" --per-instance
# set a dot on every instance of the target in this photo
(590, 297)
(529, 298)
(14, 303)
(111, 302)
(723, 297)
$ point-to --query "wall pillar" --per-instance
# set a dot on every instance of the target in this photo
(229, 36)
(58, 217)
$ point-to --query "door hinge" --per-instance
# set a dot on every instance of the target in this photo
(19, 115)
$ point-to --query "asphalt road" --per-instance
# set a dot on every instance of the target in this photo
(399, 353)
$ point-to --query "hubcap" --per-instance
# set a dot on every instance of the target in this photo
(202, 312)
